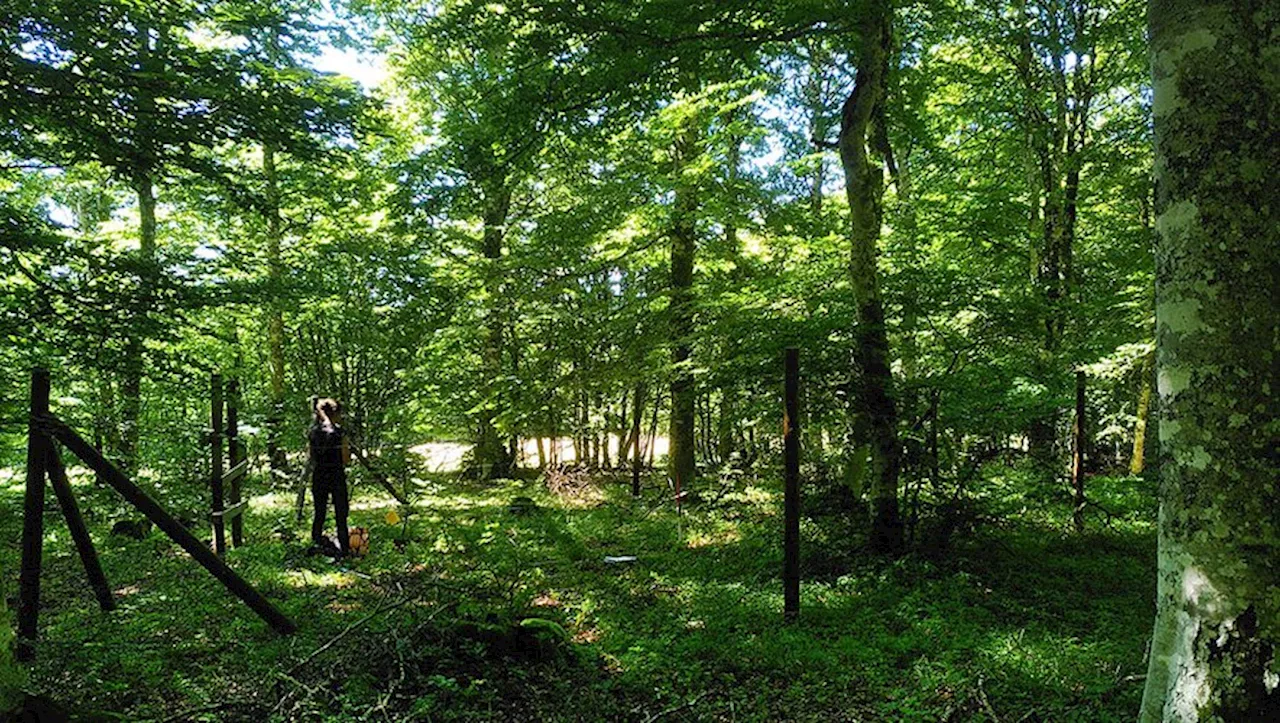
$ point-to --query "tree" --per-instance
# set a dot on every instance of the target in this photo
(144, 93)
(289, 110)
(120, 86)
(490, 100)
(864, 186)
(684, 243)
(1216, 95)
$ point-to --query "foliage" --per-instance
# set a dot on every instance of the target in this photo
(12, 677)
(482, 248)
(488, 612)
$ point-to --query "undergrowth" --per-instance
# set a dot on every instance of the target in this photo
(489, 610)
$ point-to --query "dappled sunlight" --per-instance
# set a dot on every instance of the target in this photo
(367, 504)
(753, 495)
(442, 456)
(703, 588)
(695, 540)
(449, 456)
(1198, 591)
(278, 502)
(304, 578)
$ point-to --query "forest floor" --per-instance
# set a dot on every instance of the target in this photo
(494, 611)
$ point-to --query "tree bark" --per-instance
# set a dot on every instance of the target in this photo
(1057, 142)
(143, 184)
(491, 457)
(636, 420)
(38, 450)
(275, 315)
(1216, 98)
(791, 485)
(602, 443)
(1077, 453)
(653, 429)
(724, 435)
(135, 365)
(864, 186)
(622, 430)
(1137, 462)
(683, 249)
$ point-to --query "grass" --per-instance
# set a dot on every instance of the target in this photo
(490, 612)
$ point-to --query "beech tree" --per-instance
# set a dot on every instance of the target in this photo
(864, 186)
(1217, 630)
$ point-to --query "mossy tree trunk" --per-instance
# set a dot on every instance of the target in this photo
(1216, 98)
(864, 186)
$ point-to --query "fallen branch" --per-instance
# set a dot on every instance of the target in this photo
(382, 608)
(986, 704)
(1110, 515)
(378, 476)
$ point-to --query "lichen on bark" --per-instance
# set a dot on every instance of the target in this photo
(1213, 652)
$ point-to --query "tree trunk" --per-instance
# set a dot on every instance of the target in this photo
(603, 444)
(653, 429)
(554, 453)
(131, 387)
(1057, 141)
(725, 427)
(1077, 454)
(1216, 98)
(143, 183)
(815, 95)
(623, 429)
(491, 457)
(636, 418)
(864, 187)
(1138, 461)
(683, 249)
(935, 475)
(724, 444)
(275, 316)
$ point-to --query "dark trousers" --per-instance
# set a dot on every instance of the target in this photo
(326, 482)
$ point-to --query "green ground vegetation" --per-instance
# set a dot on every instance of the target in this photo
(481, 606)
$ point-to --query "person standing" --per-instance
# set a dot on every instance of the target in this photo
(330, 455)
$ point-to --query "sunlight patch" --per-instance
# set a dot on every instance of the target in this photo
(712, 539)
(307, 578)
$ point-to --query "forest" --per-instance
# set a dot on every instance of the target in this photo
(640, 360)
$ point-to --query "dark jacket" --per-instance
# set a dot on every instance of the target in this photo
(326, 446)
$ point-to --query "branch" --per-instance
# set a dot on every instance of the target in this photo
(1090, 503)
(380, 478)
(383, 607)
(986, 704)
(52, 289)
(29, 167)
